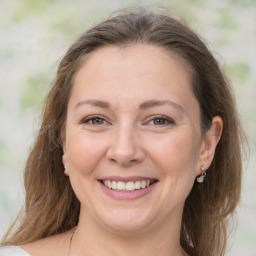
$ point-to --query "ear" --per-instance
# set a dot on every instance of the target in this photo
(209, 144)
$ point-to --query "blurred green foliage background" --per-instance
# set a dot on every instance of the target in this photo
(34, 35)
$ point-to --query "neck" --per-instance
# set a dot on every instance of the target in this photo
(94, 239)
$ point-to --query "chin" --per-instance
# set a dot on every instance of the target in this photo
(127, 220)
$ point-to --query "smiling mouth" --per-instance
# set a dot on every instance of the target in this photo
(127, 186)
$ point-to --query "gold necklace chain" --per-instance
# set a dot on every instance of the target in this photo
(70, 242)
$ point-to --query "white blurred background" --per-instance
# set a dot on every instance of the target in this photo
(34, 35)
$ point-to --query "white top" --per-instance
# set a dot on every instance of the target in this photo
(12, 251)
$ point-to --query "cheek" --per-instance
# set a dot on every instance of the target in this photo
(177, 154)
(83, 153)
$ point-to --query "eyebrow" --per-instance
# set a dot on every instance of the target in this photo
(156, 103)
(96, 103)
(145, 105)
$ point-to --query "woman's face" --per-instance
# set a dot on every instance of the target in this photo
(133, 144)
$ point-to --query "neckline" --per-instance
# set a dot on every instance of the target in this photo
(15, 248)
(21, 249)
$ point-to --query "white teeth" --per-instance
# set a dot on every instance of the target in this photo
(137, 184)
(126, 186)
(130, 186)
(109, 184)
(114, 185)
(120, 185)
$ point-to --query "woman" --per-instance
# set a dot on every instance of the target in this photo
(143, 124)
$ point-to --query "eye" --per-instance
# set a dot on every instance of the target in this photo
(160, 121)
(94, 120)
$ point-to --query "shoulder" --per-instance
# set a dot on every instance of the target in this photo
(12, 251)
(51, 246)
(56, 245)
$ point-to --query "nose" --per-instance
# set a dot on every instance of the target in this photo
(126, 148)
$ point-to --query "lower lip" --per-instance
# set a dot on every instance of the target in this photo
(127, 195)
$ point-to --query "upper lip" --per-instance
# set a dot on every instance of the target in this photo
(126, 179)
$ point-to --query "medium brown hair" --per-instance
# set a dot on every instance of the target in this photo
(51, 206)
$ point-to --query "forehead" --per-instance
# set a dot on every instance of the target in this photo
(139, 70)
(134, 53)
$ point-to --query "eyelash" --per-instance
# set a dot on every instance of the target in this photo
(89, 120)
(167, 121)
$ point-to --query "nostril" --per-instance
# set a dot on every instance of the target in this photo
(124, 152)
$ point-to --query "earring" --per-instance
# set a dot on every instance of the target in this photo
(65, 170)
(200, 179)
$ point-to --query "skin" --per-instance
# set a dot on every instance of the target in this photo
(114, 129)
